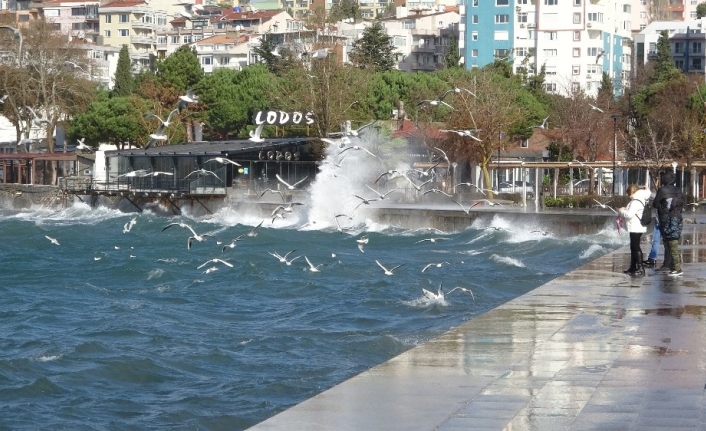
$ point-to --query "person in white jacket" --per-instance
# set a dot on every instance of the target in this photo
(631, 214)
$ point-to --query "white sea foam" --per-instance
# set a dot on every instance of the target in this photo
(155, 273)
(79, 212)
(593, 249)
(507, 260)
(48, 358)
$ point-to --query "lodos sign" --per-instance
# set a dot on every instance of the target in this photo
(281, 118)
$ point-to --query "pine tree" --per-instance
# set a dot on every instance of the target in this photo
(606, 89)
(181, 69)
(124, 80)
(664, 70)
(374, 50)
(452, 56)
(700, 10)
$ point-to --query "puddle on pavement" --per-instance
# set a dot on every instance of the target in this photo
(698, 311)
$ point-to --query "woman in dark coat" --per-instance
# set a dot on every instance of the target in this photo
(669, 201)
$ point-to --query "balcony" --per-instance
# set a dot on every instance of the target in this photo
(423, 49)
(92, 17)
(428, 67)
(142, 25)
(424, 32)
(143, 40)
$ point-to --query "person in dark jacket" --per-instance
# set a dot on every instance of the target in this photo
(669, 200)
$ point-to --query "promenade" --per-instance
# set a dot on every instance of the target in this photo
(593, 349)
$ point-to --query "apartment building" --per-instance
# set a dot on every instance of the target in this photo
(575, 40)
(645, 12)
(422, 37)
(76, 18)
(687, 41)
(223, 51)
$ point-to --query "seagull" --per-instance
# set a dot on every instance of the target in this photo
(543, 232)
(436, 103)
(443, 153)
(290, 261)
(436, 191)
(388, 271)
(290, 186)
(216, 260)
(595, 108)
(364, 202)
(158, 173)
(36, 120)
(417, 187)
(362, 242)
(82, 146)
(470, 185)
(253, 231)
(338, 225)
(272, 191)
(340, 144)
(436, 264)
(186, 99)
(53, 240)
(431, 240)
(457, 90)
(541, 126)
(288, 209)
(197, 237)
(137, 173)
(156, 137)
(3, 98)
(166, 122)
(282, 259)
(222, 160)
(440, 296)
(255, 134)
(203, 172)
(356, 147)
(495, 228)
(605, 205)
(127, 226)
(393, 173)
(466, 210)
(492, 204)
(276, 216)
(425, 173)
(210, 270)
(467, 133)
(312, 267)
(380, 195)
(232, 243)
(360, 130)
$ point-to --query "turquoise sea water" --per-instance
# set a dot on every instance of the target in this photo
(113, 330)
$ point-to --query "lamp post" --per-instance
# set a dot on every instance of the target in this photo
(18, 35)
(615, 145)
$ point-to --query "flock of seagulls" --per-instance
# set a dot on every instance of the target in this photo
(160, 134)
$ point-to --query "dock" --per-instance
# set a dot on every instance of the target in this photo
(594, 349)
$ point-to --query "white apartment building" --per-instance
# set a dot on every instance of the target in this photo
(644, 12)
(687, 40)
(223, 51)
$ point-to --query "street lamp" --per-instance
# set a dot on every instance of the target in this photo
(615, 145)
(18, 35)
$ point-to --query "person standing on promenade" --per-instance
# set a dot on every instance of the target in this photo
(669, 202)
(651, 261)
(631, 214)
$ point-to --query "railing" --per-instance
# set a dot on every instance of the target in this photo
(210, 183)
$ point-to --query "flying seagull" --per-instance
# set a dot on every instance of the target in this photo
(222, 160)
(441, 296)
(380, 195)
(364, 201)
(53, 240)
(195, 236)
(541, 126)
(232, 243)
(166, 122)
(435, 264)
(215, 260)
(282, 259)
(272, 191)
(312, 267)
(37, 121)
(470, 185)
(431, 240)
(253, 231)
(203, 172)
(356, 147)
(290, 186)
(128, 226)
(255, 134)
(388, 271)
(436, 103)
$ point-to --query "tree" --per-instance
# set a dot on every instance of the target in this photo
(452, 57)
(374, 50)
(606, 90)
(344, 9)
(658, 10)
(664, 69)
(700, 10)
(124, 80)
(181, 69)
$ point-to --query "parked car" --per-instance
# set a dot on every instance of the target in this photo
(506, 187)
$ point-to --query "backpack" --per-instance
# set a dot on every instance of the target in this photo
(646, 217)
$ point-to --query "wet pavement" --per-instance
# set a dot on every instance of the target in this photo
(594, 349)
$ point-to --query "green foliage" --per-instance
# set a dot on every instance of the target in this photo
(606, 89)
(231, 97)
(124, 80)
(452, 56)
(266, 51)
(114, 120)
(344, 9)
(700, 10)
(664, 69)
(181, 69)
(374, 50)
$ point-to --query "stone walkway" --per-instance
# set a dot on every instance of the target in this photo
(592, 350)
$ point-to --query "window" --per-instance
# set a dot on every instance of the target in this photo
(575, 87)
(225, 60)
(627, 8)
(502, 2)
(186, 38)
(522, 52)
(677, 47)
(595, 17)
(692, 14)
(501, 35)
(408, 24)
(474, 53)
(592, 51)
(522, 2)
(206, 60)
(501, 53)
(577, 17)
(108, 19)
(123, 32)
(106, 33)
(642, 26)
(593, 69)
(577, 35)
(161, 40)
(679, 64)
(475, 3)
(551, 35)
(123, 17)
(577, 52)
(175, 39)
(474, 19)
(400, 41)
(474, 35)
(575, 69)
(550, 52)
(550, 2)
(78, 11)
(643, 2)
(550, 87)
(696, 47)
(577, 2)
(524, 143)
(522, 17)
(643, 14)
(502, 19)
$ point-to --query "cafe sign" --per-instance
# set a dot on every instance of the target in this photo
(282, 118)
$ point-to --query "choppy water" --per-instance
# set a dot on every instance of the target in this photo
(113, 330)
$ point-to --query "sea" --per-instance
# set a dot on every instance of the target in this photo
(118, 325)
